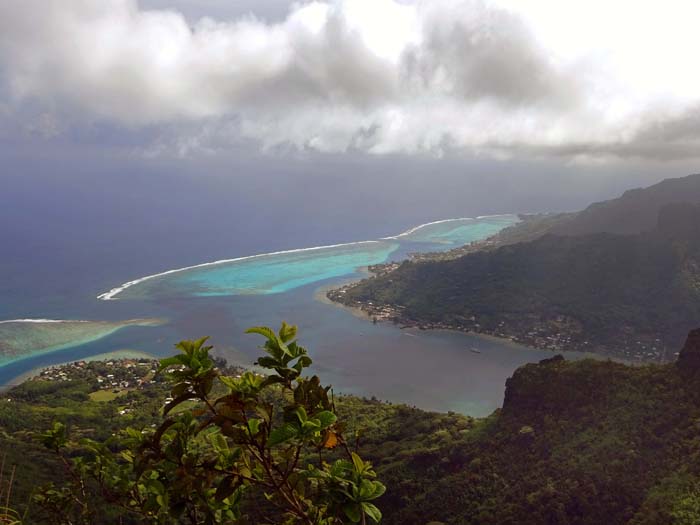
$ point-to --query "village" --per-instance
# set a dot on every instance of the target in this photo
(109, 379)
(557, 334)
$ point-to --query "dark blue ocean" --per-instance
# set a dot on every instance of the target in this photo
(70, 231)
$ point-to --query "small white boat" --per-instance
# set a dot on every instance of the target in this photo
(475, 350)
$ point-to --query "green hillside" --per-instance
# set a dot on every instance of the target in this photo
(576, 443)
(631, 296)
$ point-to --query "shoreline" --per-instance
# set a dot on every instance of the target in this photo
(115, 327)
(358, 311)
(320, 294)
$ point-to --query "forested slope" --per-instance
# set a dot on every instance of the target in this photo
(634, 296)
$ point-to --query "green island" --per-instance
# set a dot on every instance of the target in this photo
(620, 278)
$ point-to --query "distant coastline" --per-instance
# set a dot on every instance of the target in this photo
(443, 221)
(505, 340)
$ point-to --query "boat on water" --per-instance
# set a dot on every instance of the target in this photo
(475, 350)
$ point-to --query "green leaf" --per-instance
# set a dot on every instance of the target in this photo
(357, 461)
(279, 345)
(371, 489)
(339, 467)
(287, 332)
(55, 438)
(282, 434)
(303, 362)
(172, 361)
(301, 414)
(180, 389)
(327, 418)
(310, 426)
(264, 331)
(268, 362)
(352, 511)
(274, 345)
(265, 412)
(254, 426)
(219, 442)
(229, 381)
(379, 489)
(372, 511)
(180, 399)
(226, 487)
(199, 342)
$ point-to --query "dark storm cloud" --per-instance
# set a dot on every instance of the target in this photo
(378, 76)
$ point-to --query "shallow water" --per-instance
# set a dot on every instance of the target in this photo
(456, 232)
(282, 271)
(265, 274)
(20, 338)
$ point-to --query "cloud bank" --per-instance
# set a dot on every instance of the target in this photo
(378, 76)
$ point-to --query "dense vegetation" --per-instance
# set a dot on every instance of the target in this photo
(585, 442)
(634, 296)
(244, 448)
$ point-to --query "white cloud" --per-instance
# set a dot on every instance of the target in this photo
(588, 79)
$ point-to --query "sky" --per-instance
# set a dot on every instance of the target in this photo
(597, 89)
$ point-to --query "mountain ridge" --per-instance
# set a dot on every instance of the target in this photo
(635, 211)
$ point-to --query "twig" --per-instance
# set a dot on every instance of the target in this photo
(9, 487)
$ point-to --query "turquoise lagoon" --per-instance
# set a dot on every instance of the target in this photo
(457, 232)
(20, 338)
(283, 271)
(262, 274)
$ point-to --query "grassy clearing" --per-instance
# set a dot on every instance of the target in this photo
(106, 395)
